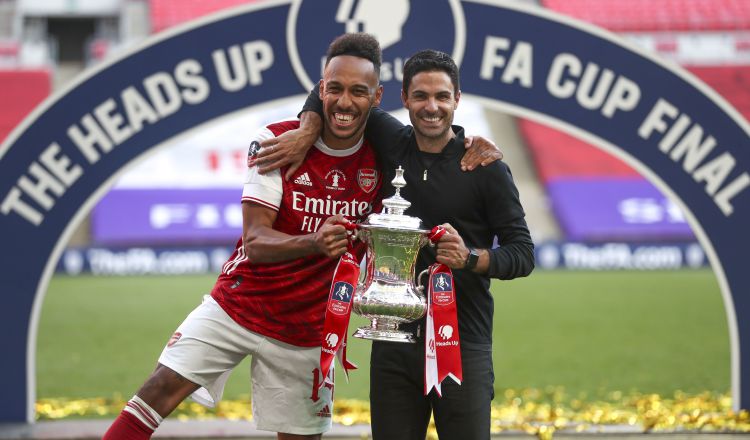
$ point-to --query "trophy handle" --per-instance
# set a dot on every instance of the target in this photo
(432, 236)
(361, 234)
(420, 287)
(424, 240)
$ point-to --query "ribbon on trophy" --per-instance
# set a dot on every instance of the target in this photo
(338, 312)
(442, 342)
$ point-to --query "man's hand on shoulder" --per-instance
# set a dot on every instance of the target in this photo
(479, 151)
(290, 147)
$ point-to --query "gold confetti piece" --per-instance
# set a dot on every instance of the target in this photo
(540, 413)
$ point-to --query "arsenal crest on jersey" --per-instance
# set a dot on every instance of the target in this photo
(367, 179)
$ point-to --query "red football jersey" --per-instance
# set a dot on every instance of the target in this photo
(287, 300)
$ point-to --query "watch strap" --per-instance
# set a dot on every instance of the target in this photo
(472, 259)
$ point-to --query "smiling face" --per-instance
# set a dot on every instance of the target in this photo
(349, 89)
(431, 101)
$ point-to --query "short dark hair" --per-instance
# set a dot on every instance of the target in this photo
(358, 44)
(429, 60)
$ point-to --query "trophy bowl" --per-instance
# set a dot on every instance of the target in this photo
(387, 295)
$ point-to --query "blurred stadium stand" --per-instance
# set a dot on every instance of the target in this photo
(168, 13)
(731, 82)
(708, 37)
(21, 91)
(558, 155)
(657, 15)
(45, 43)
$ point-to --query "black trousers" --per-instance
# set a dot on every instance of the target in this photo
(400, 410)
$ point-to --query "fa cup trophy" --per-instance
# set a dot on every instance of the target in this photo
(387, 296)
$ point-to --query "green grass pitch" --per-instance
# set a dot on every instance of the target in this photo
(589, 332)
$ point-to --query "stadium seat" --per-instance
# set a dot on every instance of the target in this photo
(98, 49)
(558, 155)
(22, 90)
(661, 15)
(596, 197)
(731, 82)
(9, 48)
(167, 13)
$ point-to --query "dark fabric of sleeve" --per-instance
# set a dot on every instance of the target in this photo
(313, 102)
(514, 257)
(384, 132)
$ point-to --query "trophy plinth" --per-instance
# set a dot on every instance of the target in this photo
(388, 296)
(390, 334)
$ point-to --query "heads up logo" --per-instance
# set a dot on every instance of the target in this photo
(402, 27)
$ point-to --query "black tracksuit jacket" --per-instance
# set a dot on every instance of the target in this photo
(482, 205)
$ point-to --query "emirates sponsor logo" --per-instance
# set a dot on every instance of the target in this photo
(442, 298)
(329, 206)
(303, 179)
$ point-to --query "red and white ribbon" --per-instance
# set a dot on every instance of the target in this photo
(442, 343)
(338, 312)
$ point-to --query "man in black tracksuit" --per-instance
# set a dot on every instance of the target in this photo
(475, 207)
(478, 206)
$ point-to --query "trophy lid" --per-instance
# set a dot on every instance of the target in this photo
(394, 207)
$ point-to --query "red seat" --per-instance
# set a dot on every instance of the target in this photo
(9, 48)
(658, 15)
(731, 82)
(22, 90)
(167, 13)
(558, 155)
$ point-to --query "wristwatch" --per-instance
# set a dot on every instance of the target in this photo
(472, 259)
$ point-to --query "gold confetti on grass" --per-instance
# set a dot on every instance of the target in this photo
(536, 412)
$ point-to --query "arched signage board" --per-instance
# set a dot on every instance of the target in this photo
(523, 60)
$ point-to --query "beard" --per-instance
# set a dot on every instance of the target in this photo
(432, 134)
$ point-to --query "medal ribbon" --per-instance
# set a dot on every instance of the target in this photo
(338, 312)
(442, 342)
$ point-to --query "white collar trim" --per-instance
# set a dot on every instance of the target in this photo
(320, 145)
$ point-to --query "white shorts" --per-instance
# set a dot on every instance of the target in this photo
(286, 398)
